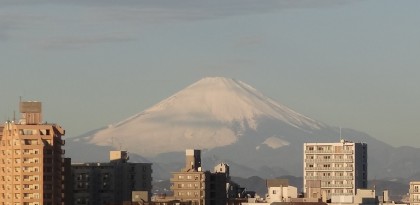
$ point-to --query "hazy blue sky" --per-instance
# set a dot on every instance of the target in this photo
(95, 62)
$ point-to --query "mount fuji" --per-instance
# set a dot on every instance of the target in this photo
(234, 123)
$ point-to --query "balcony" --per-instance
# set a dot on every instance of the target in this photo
(329, 151)
(414, 191)
(340, 194)
(329, 177)
(414, 200)
(337, 185)
(328, 160)
(330, 168)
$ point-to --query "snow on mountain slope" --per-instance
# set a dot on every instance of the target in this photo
(209, 113)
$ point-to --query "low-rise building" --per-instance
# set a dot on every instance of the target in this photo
(279, 190)
(198, 186)
(194, 186)
(112, 182)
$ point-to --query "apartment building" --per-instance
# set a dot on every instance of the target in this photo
(110, 182)
(196, 186)
(31, 154)
(414, 192)
(334, 168)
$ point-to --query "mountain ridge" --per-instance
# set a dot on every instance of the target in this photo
(216, 110)
(261, 145)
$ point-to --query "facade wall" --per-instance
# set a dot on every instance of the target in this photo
(109, 183)
(190, 186)
(31, 164)
(281, 194)
(339, 168)
(199, 187)
(414, 192)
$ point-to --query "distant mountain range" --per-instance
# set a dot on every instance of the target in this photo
(234, 123)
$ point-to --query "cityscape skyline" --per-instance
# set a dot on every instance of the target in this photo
(351, 64)
(39, 167)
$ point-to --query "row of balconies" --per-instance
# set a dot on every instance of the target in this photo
(328, 177)
(186, 187)
(330, 151)
(337, 185)
(27, 142)
(414, 191)
(328, 160)
(330, 168)
(340, 194)
(177, 179)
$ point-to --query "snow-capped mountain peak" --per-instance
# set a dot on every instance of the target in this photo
(202, 115)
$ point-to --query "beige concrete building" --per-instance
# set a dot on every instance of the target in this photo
(334, 169)
(414, 192)
(362, 197)
(31, 154)
(111, 182)
(195, 186)
(279, 190)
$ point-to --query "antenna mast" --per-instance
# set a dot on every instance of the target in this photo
(340, 134)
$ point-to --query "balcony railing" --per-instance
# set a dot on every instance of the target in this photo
(330, 168)
(329, 177)
(414, 200)
(328, 160)
(337, 185)
(340, 194)
(414, 191)
(330, 151)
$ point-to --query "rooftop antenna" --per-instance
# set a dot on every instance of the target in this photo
(340, 134)
(14, 115)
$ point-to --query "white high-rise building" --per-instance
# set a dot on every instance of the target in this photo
(334, 168)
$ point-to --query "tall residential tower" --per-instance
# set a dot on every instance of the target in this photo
(31, 167)
(334, 168)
